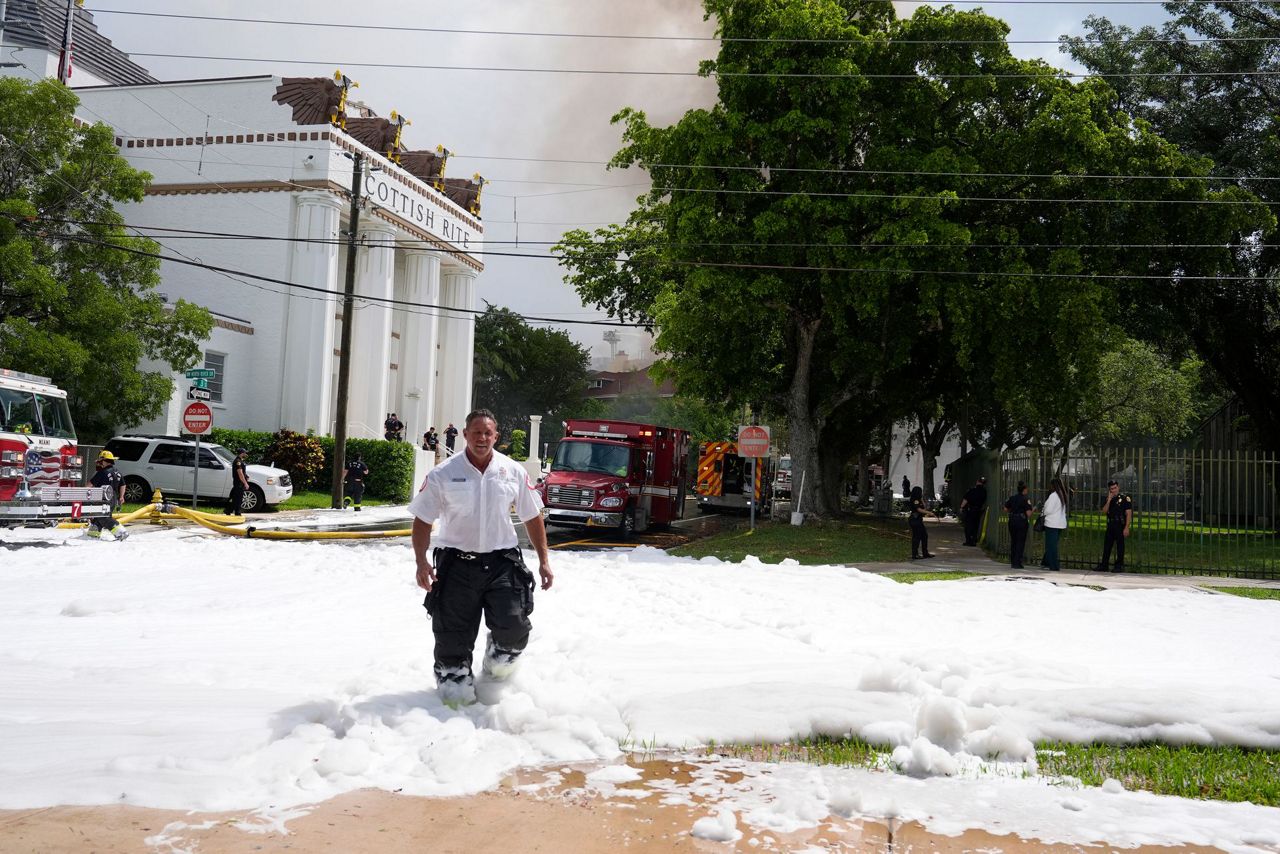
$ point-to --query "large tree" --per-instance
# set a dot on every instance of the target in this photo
(1209, 80)
(71, 307)
(871, 196)
(523, 370)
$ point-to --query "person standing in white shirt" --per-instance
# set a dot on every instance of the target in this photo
(476, 567)
(1055, 522)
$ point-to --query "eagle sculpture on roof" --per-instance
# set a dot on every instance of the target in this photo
(426, 165)
(465, 193)
(315, 100)
(376, 133)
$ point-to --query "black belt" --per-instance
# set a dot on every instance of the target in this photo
(458, 554)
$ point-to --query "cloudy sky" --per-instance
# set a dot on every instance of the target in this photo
(540, 139)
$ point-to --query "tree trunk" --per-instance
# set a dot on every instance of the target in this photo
(806, 430)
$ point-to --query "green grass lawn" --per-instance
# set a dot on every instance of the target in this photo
(321, 501)
(857, 540)
(1205, 773)
(1250, 592)
(913, 577)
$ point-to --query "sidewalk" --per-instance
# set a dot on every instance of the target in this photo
(946, 543)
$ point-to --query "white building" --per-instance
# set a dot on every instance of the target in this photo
(258, 156)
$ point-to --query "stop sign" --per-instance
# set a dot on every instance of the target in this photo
(753, 441)
(197, 418)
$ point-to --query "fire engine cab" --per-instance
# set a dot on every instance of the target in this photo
(618, 474)
(39, 465)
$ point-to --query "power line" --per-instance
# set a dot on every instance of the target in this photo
(644, 37)
(1050, 73)
(714, 264)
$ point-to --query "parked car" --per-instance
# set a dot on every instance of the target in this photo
(149, 463)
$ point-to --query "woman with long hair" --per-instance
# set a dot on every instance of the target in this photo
(915, 520)
(1055, 522)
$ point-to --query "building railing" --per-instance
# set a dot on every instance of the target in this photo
(1195, 512)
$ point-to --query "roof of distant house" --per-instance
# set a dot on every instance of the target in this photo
(39, 24)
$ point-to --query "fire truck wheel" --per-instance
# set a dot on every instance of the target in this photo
(136, 490)
(628, 527)
(253, 501)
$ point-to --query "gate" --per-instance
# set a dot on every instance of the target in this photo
(1194, 512)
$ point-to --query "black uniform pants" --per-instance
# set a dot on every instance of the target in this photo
(495, 584)
(1018, 528)
(355, 491)
(972, 522)
(235, 499)
(919, 535)
(1114, 537)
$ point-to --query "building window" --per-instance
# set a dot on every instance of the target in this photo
(218, 363)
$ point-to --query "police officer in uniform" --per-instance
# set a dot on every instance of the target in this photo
(1019, 507)
(1118, 508)
(239, 482)
(915, 520)
(357, 471)
(971, 507)
(476, 566)
(112, 484)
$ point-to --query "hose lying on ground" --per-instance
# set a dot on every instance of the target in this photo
(276, 534)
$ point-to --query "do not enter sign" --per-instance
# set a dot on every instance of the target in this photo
(197, 418)
(753, 441)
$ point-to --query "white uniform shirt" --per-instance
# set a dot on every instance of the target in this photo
(475, 506)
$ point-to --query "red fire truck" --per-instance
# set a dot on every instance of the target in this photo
(617, 474)
(39, 464)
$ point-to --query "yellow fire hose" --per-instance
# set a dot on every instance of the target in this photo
(157, 516)
(275, 534)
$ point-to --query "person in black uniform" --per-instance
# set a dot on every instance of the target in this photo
(239, 482)
(357, 471)
(1019, 507)
(112, 485)
(915, 520)
(1118, 508)
(971, 507)
(393, 428)
(450, 435)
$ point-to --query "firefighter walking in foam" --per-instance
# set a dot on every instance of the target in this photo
(476, 567)
(112, 485)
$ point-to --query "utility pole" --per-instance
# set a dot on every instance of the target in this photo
(64, 61)
(344, 348)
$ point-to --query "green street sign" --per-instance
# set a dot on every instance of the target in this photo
(201, 373)
(199, 383)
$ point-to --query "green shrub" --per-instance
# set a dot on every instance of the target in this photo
(390, 463)
(519, 449)
(301, 456)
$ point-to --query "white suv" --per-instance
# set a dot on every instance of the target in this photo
(148, 463)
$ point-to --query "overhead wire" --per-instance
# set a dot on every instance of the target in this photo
(394, 28)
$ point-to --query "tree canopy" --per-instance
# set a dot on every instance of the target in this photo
(889, 209)
(1208, 81)
(72, 308)
(522, 370)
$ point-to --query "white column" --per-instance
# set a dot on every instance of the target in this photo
(371, 330)
(306, 400)
(457, 345)
(533, 465)
(418, 341)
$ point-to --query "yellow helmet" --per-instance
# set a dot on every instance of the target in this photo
(106, 455)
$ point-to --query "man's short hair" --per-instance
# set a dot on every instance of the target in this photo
(1112, 483)
(479, 413)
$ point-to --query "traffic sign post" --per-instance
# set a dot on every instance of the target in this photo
(197, 419)
(198, 393)
(753, 443)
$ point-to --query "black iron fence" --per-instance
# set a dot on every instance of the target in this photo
(1195, 512)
